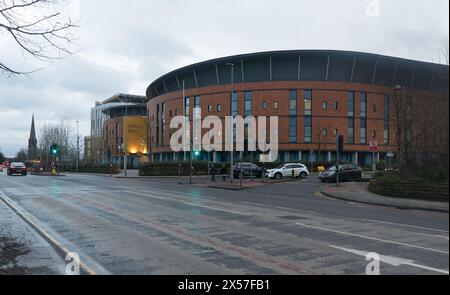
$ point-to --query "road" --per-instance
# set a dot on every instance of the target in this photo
(159, 226)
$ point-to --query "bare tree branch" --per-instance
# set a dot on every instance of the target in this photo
(39, 27)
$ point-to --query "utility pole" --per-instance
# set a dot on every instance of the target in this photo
(78, 146)
(231, 65)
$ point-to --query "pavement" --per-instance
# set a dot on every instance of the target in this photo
(22, 250)
(164, 226)
(359, 192)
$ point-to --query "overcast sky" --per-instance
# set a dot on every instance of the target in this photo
(125, 45)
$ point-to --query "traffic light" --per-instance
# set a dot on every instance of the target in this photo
(340, 144)
(54, 149)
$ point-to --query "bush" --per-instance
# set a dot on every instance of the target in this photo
(435, 175)
(410, 189)
(173, 168)
(100, 169)
(380, 166)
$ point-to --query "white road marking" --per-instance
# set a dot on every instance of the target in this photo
(190, 204)
(407, 225)
(395, 261)
(372, 238)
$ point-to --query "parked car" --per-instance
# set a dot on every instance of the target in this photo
(346, 172)
(286, 170)
(249, 169)
(17, 168)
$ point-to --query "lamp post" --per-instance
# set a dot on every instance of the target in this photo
(125, 138)
(231, 65)
(78, 146)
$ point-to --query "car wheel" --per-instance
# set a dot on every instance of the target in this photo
(303, 175)
(278, 175)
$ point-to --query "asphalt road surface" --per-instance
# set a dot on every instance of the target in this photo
(158, 226)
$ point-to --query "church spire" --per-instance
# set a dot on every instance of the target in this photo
(32, 142)
(33, 130)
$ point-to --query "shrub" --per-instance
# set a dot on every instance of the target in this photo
(435, 175)
(380, 166)
(100, 169)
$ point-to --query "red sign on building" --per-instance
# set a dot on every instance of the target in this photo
(373, 145)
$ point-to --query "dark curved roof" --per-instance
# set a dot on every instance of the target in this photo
(306, 65)
(119, 111)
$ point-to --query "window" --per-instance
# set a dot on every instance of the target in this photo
(363, 101)
(374, 108)
(351, 132)
(264, 105)
(276, 105)
(186, 106)
(324, 132)
(335, 105)
(335, 132)
(209, 108)
(351, 104)
(308, 102)
(363, 122)
(197, 101)
(293, 103)
(247, 103)
(293, 116)
(363, 132)
(293, 129)
(170, 113)
(163, 122)
(308, 129)
(176, 112)
(386, 119)
(234, 104)
(374, 134)
(219, 108)
(325, 105)
(308, 114)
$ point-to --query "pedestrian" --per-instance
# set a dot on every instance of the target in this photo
(213, 172)
(223, 172)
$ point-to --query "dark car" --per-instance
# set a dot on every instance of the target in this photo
(17, 168)
(248, 170)
(346, 172)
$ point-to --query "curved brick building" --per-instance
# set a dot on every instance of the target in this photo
(317, 94)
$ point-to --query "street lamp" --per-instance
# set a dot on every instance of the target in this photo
(231, 65)
(78, 145)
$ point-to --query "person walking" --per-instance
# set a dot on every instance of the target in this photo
(213, 172)
(223, 172)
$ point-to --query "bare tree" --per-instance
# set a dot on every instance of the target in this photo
(63, 136)
(21, 155)
(41, 28)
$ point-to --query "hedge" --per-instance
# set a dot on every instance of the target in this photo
(416, 189)
(100, 169)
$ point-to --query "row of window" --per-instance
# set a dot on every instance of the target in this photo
(293, 103)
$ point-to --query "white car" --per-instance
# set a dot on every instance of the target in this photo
(286, 170)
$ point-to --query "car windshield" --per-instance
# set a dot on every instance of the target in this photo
(280, 167)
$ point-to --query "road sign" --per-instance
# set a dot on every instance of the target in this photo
(373, 145)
